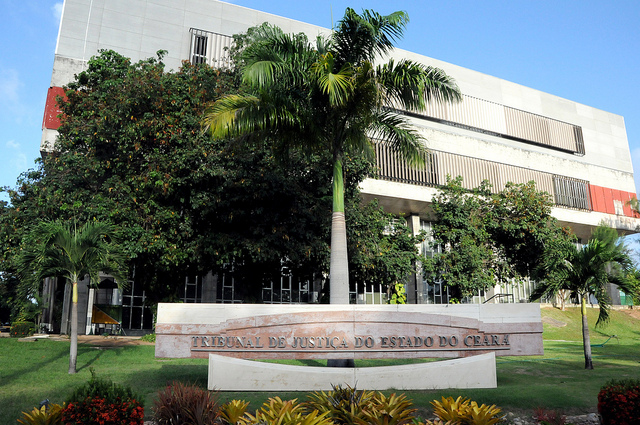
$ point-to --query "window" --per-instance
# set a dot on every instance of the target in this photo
(209, 48)
(571, 193)
(198, 49)
(618, 206)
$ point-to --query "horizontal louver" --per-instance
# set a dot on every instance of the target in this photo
(566, 191)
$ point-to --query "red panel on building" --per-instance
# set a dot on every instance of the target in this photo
(602, 200)
(51, 110)
(597, 197)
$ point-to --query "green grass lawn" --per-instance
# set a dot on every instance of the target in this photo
(33, 371)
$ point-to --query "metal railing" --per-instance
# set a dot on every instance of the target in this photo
(500, 120)
(210, 48)
(566, 191)
(500, 298)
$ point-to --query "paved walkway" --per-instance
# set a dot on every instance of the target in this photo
(94, 340)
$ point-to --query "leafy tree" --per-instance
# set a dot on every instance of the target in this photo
(590, 270)
(461, 231)
(128, 152)
(487, 238)
(59, 248)
(331, 98)
(131, 153)
(382, 249)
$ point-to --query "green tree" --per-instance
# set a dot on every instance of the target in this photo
(382, 249)
(331, 98)
(484, 238)
(460, 234)
(590, 270)
(131, 152)
(59, 248)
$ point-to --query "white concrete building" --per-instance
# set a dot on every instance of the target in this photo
(501, 131)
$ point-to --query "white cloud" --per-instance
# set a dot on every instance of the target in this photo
(57, 11)
(10, 84)
(11, 90)
(12, 144)
(19, 162)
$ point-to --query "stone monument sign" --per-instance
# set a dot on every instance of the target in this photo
(319, 331)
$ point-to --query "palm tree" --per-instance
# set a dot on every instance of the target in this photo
(57, 248)
(332, 98)
(589, 271)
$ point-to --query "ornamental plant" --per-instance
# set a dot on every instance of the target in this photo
(44, 415)
(463, 411)
(102, 402)
(22, 329)
(277, 411)
(392, 410)
(98, 411)
(346, 405)
(549, 417)
(619, 402)
(186, 404)
(233, 412)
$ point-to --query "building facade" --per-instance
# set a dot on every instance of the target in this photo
(501, 131)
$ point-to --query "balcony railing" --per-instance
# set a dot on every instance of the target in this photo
(566, 191)
(503, 121)
(210, 48)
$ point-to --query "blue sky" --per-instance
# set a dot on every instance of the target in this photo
(585, 51)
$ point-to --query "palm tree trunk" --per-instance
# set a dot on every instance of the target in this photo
(73, 350)
(339, 263)
(586, 340)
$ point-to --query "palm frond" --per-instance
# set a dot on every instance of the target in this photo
(221, 118)
(337, 85)
(411, 85)
(56, 248)
(278, 59)
(400, 136)
(363, 37)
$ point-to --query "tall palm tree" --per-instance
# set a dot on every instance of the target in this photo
(330, 97)
(57, 248)
(589, 272)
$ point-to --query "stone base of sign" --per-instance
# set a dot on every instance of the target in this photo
(230, 374)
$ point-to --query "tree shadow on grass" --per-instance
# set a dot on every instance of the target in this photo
(20, 367)
(159, 378)
(87, 351)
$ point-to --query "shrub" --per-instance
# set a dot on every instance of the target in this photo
(464, 411)
(482, 415)
(104, 388)
(232, 413)
(276, 411)
(392, 410)
(346, 405)
(22, 329)
(44, 415)
(179, 404)
(148, 337)
(450, 410)
(619, 402)
(96, 410)
(103, 402)
(549, 417)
